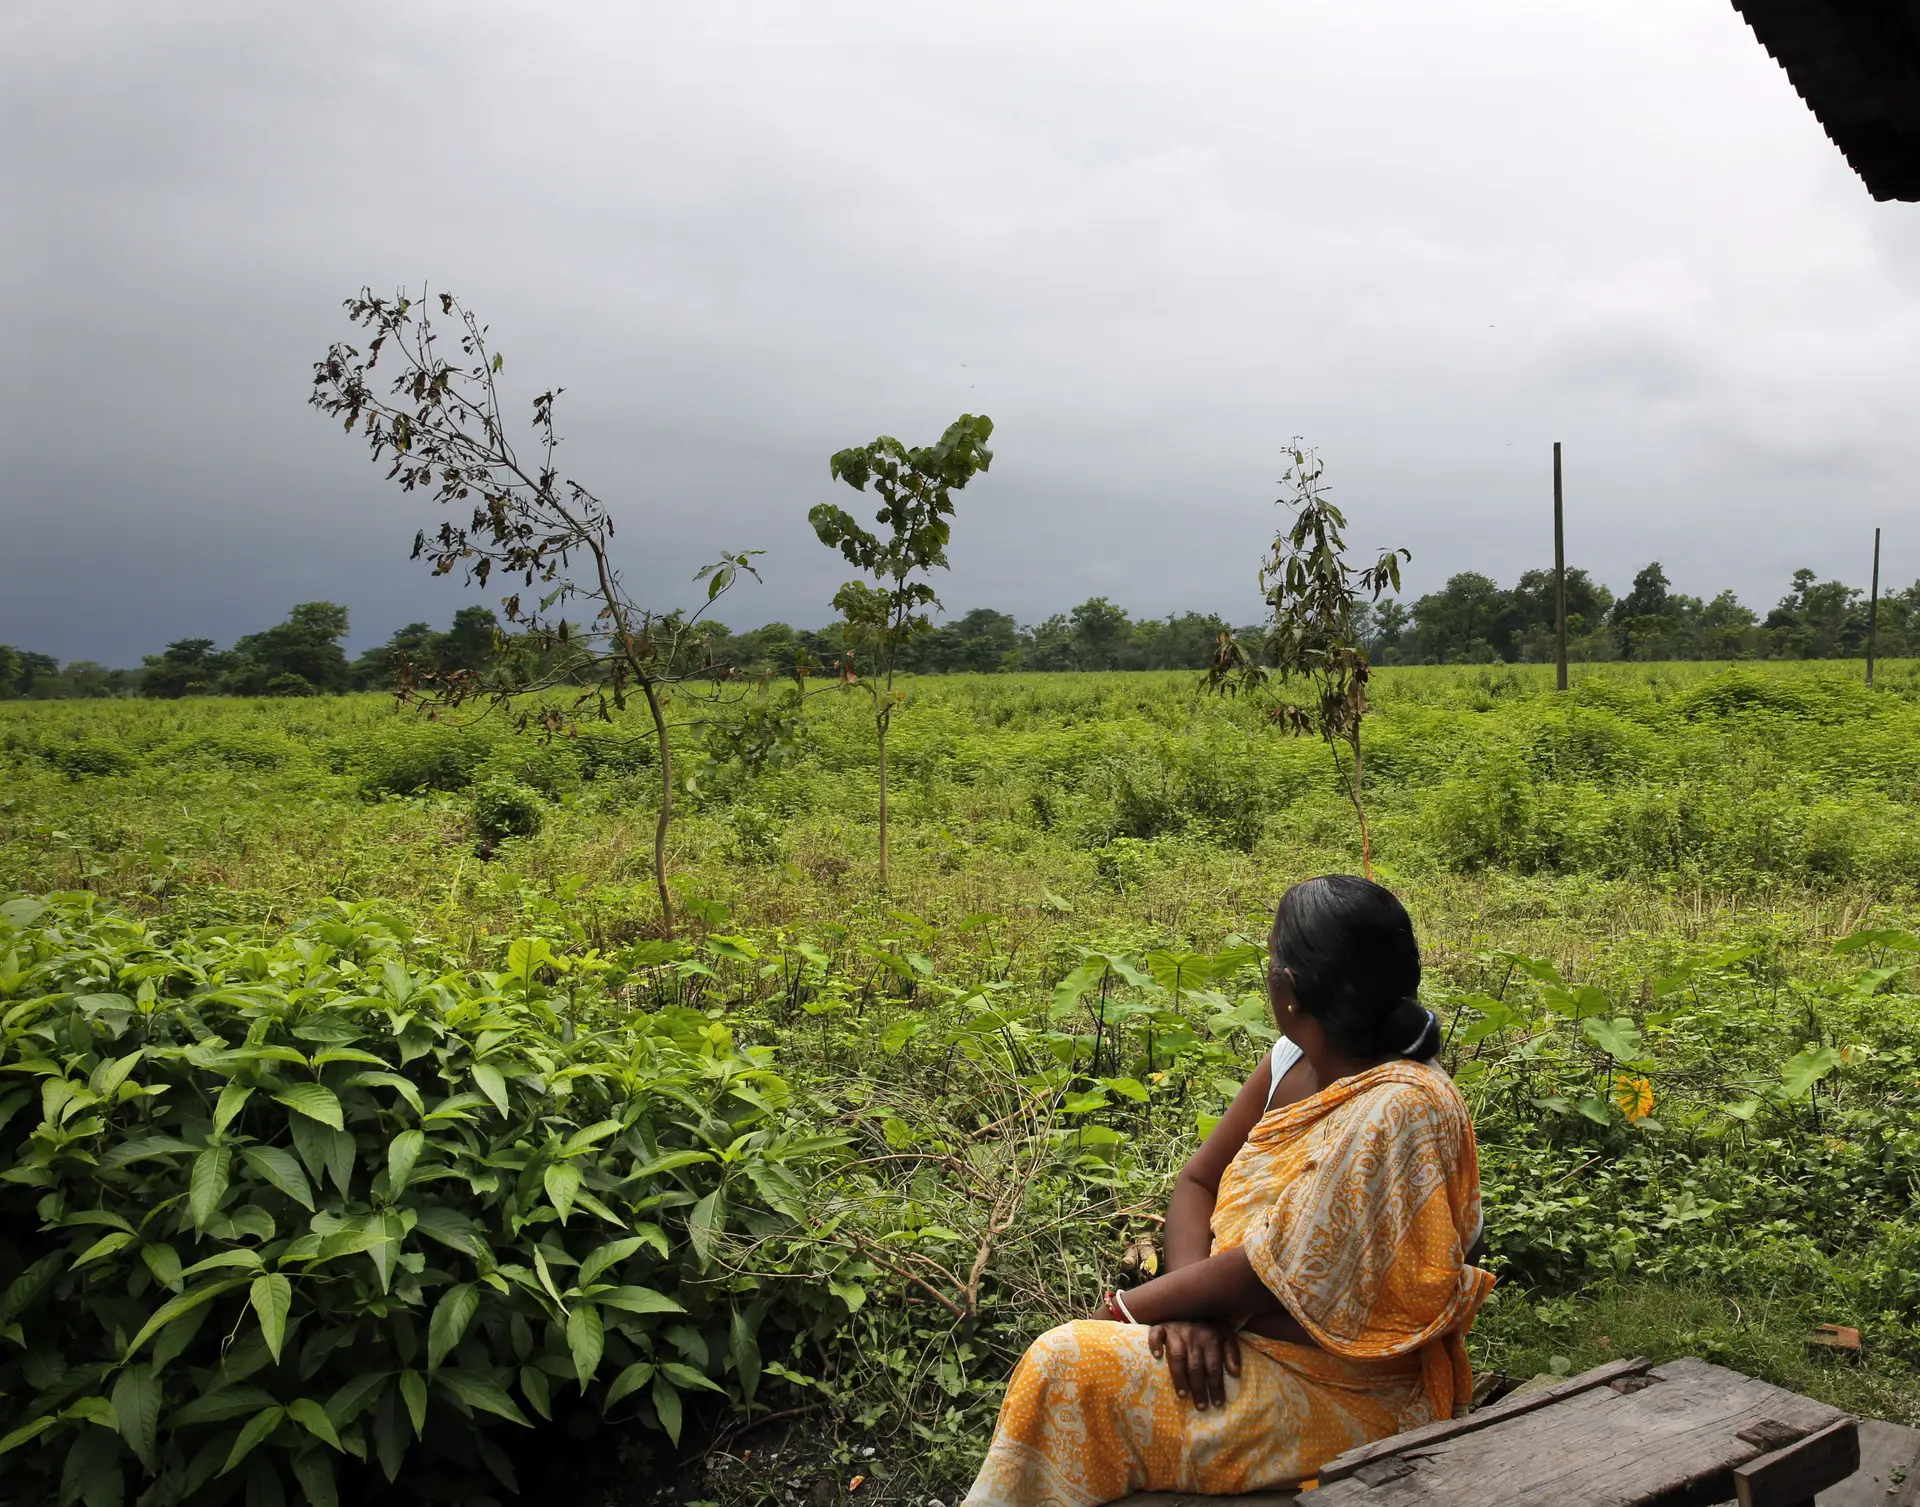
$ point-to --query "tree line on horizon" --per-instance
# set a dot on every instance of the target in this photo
(1471, 620)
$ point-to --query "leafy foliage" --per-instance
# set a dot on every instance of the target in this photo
(444, 425)
(915, 487)
(1315, 600)
(276, 1213)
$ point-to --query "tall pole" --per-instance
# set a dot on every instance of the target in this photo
(1873, 606)
(1560, 579)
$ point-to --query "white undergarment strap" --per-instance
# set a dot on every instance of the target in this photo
(1285, 1054)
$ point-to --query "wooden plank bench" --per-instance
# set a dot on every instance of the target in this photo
(1628, 1434)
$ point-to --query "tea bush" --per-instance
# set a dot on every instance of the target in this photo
(502, 809)
(280, 1211)
(86, 758)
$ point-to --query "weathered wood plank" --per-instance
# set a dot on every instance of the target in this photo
(1510, 1407)
(1599, 1447)
(1889, 1473)
(1790, 1475)
(1194, 1499)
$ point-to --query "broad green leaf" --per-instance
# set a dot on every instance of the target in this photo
(280, 1169)
(899, 1032)
(481, 1392)
(164, 1262)
(313, 1469)
(562, 1182)
(233, 1099)
(491, 1082)
(211, 1173)
(630, 1380)
(1801, 1071)
(1745, 1110)
(637, 1300)
(177, 1308)
(706, 1224)
(26, 1433)
(746, 1355)
(272, 1298)
(313, 1418)
(136, 1411)
(609, 1255)
(585, 1341)
(591, 1135)
(666, 1406)
(315, 1101)
(253, 1434)
(218, 1407)
(405, 1087)
(1130, 1088)
(1618, 1038)
(1179, 972)
(229, 1258)
(1595, 1108)
(451, 1316)
(106, 1245)
(402, 1153)
(94, 1410)
(413, 1391)
(686, 1376)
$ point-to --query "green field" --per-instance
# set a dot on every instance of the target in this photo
(1698, 882)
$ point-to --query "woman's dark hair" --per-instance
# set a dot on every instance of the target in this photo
(1348, 946)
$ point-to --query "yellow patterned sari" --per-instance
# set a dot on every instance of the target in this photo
(1356, 1207)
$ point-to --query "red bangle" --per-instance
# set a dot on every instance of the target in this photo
(1113, 1309)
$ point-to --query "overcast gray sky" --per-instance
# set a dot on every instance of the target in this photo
(1151, 240)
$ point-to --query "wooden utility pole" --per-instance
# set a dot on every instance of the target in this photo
(1873, 606)
(1560, 580)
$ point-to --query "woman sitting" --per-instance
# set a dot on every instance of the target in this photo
(1319, 1253)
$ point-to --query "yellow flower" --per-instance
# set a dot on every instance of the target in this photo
(1634, 1096)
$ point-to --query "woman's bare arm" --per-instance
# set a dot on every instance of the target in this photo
(1189, 1235)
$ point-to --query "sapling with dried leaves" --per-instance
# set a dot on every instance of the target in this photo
(1308, 666)
(444, 426)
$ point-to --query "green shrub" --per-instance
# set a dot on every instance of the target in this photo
(411, 760)
(550, 767)
(276, 1214)
(236, 750)
(607, 751)
(84, 758)
(501, 809)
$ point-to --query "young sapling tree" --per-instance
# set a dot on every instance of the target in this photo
(444, 426)
(1316, 604)
(915, 487)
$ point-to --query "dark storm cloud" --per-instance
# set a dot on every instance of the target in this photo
(1431, 238)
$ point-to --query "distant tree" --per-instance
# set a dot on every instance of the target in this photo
(9, 672)
(444, 426)
(188, 667)
(916, 488)
(981, 641)
(300, 657)
(35, 673)
(469, 645)
(1818, 620)
(1456, 625)
(1186, 642)
(1049, 646)
(1101, 632)
(1386, 632)
(1310, 643)
(1727, 629)
(1524, 631)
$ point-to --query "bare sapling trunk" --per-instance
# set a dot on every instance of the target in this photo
(665, 817)
(881, 724)
(1360, 810)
